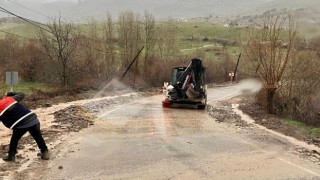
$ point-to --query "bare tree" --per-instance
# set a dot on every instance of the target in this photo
(129, 36)
(60, 42)
(149, 37)
(9, 57)
(167, 40)
(315, 45)
(110, 46)
(93, 58)
(270, 48)
(31, 57)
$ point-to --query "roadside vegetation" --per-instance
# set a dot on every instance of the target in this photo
(311, 130)
(288, 65)
(62, 55)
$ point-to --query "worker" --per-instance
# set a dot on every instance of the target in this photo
(21, 120)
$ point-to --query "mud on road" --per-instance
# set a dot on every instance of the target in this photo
(71, 119)
(74, 118)
(224, 112)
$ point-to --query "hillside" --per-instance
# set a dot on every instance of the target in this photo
(84, 9)
(239, 12)
(13, 25)
(291, 4)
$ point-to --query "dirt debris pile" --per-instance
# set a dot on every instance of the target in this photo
(222, 112)
(273, 122)
(72, 119)
(313, 155)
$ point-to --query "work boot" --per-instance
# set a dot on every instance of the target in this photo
(45, 155)
(9, 158)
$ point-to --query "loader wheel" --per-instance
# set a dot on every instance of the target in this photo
(202, 106)
(165, 104)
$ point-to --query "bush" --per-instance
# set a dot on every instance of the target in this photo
(205, 39)
(298, 97)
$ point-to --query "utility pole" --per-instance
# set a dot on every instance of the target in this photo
(235, 71)
(134, 59)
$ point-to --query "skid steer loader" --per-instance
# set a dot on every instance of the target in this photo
(187, 87)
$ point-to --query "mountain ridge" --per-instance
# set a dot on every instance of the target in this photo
(84, 9)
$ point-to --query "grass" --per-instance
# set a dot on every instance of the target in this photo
(309, 31)
(200, 30)
(206, 29)
(26, 87)
(24, 30)
(186, 30)
(313, 131)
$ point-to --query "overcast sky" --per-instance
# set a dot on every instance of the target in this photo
(36, 1)
(42, 1)
(40, 10)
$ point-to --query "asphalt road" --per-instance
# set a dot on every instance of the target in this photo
(142, 140)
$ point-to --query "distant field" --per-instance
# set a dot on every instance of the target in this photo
(25, 30)
(205, 36)
(209, 30)
(193, 36)
(309, 30)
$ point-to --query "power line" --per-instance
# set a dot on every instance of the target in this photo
(36, 24)
(95, 49)
(15, 35)
(99, 50)
(17, 4)
(20, 5)
(24, 19)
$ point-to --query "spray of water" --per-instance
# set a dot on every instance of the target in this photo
(249, 86)
(114, 87)
(112, 96)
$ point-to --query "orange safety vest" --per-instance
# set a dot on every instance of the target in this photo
(6, 103)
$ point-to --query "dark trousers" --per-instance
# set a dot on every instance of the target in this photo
(35, 133)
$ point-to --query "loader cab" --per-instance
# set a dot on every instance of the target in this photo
(176, 73)
(186, 87)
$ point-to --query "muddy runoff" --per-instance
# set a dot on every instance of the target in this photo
(232, 112)
(224, 109)
(142, 140)
(57, 123)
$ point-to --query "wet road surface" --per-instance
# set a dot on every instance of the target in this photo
(142, 140)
